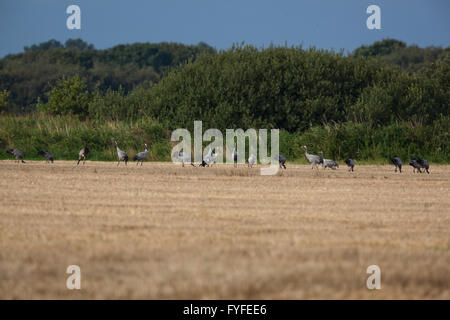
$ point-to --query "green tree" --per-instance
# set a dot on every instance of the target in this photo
(3, 96)
(379, 48)
(69, 96)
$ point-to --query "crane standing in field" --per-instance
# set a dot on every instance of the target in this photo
(210, 157)
(350, 164)
(235, 156)
(424, 164)
(415, 165)
(281, 160)
(184, 157)
(141, 155)
(327, 163)
(397, 163)
(251, 160)
(121, 155)
(418, 164)
(18, 155)
(313, 159)
(47, 155)
(83, 154)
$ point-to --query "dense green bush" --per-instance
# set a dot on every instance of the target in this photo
(68, 97)
(28, 75)
(355, 105)
(65, 136)
(295, 89)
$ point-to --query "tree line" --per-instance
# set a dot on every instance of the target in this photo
(368, 104)
(29, 75)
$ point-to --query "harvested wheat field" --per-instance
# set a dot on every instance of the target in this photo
(161, 231)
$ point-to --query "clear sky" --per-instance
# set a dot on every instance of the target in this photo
(329, 24)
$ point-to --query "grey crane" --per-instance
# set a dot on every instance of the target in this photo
(281, 160)
(47, 155)
(122, 155)
(251, 160)
(425, 165)
(415, 165)
(210, 157)
(397, 163)
(18, 155)
(83, 154)
(313, 159)
(141, 155)
(350, 164)
(183, 156)
(327, 163)
(418, 164)
(235, 156)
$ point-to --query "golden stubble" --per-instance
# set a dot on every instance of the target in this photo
(161, 231)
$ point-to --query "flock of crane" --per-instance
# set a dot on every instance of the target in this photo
(210, 158)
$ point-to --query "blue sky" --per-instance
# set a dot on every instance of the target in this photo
(329, 24)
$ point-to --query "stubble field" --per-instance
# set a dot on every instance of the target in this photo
(161, 231)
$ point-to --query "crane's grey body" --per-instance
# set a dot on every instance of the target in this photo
(281, 160)
(235, 156)
(83, 154)
(183, 156)
(418, 164)
(141, 155)
(425, 165)
(47, 155)
(397, 163)
(350, 163)
(121, 155)
(328, 163)
(313, 159)
(251, 160)
(18, 155)
(210, 158)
